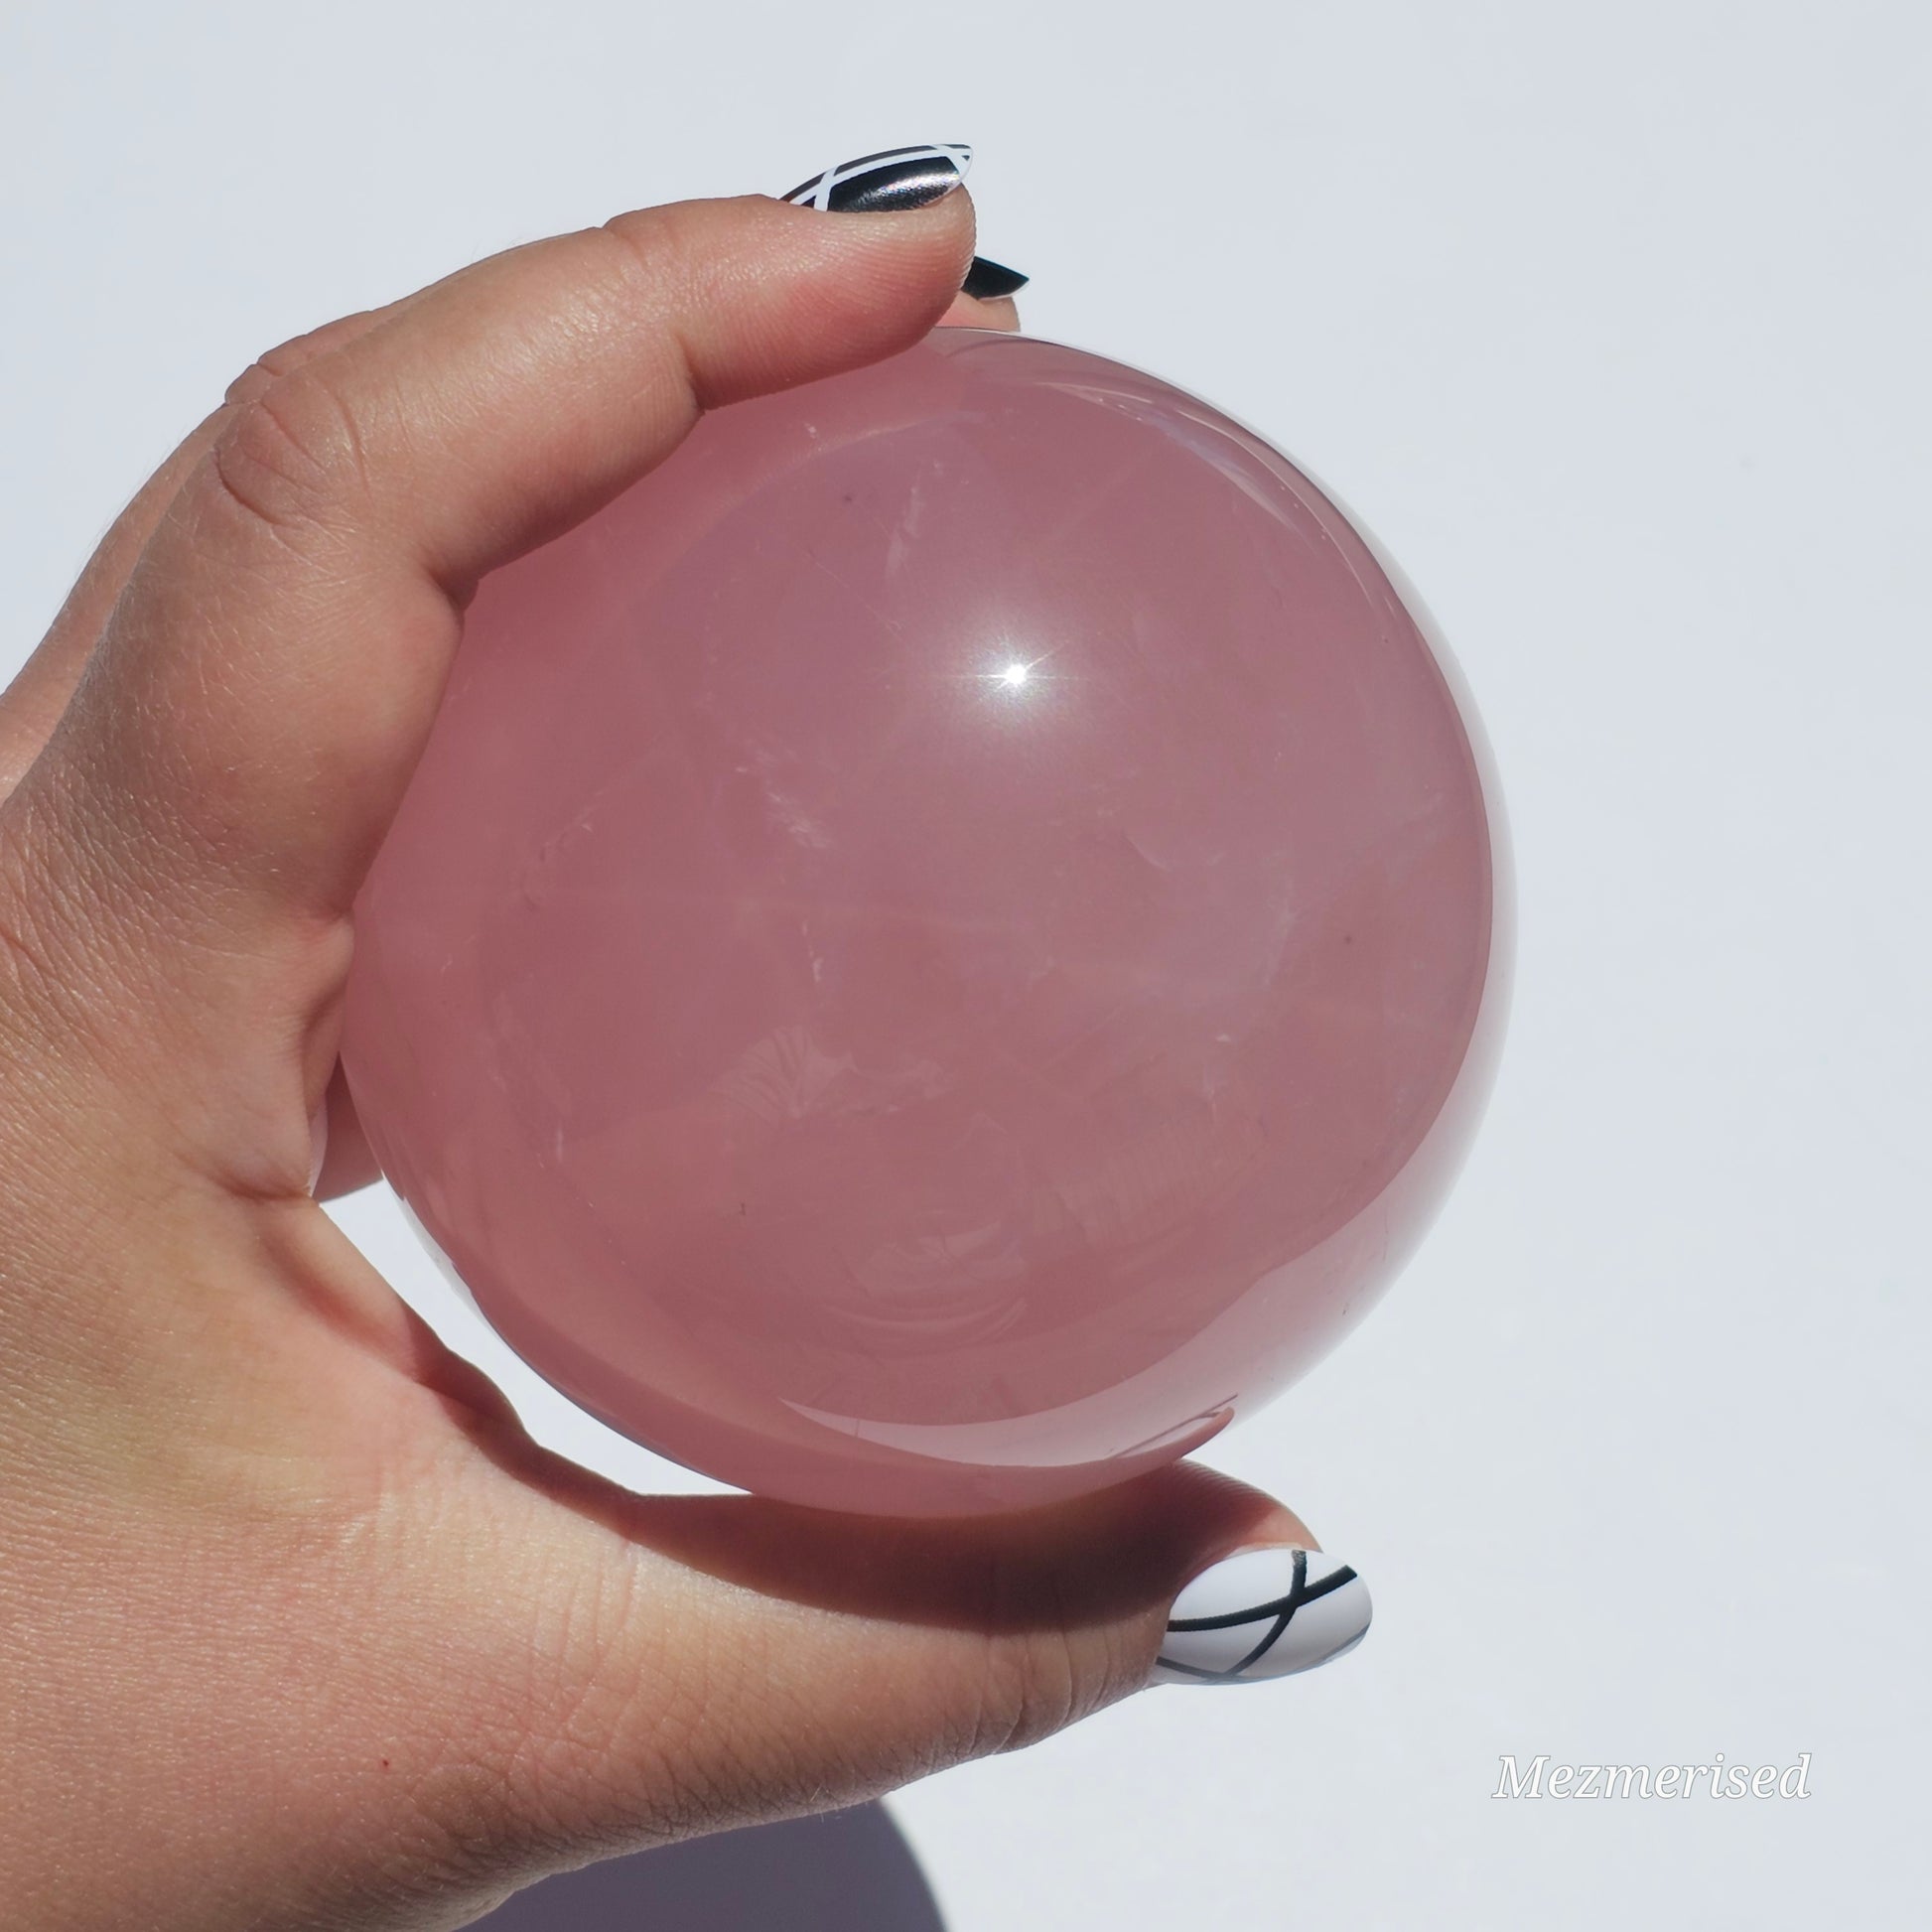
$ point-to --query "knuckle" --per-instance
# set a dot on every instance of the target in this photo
(1013, 1691)
(1044, 1665)
(1040, 1688)
(260, 375)
(664, 261)
(285, 358)
(291, 457)
(647, 246)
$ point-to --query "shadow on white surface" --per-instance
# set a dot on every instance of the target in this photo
(809, 1874)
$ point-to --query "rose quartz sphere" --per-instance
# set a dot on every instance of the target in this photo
(943, 945)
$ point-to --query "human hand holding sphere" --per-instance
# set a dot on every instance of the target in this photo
(281, 1584)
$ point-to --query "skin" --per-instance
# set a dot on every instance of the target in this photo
(297, 1628)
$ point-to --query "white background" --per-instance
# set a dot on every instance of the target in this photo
(1611, 321)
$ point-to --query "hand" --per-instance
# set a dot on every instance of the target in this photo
(296, 1627)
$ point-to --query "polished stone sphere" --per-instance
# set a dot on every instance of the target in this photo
(944, 944)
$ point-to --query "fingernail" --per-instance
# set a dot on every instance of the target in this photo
(989, 281)
(883, 183)
(1263, 1613)
(903, 178)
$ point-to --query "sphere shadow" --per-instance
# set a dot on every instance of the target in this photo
(1116, 1553)
(808, 1874)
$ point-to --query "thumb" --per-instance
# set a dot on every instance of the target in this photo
(727, 1659)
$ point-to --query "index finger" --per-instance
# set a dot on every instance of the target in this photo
(290, 623)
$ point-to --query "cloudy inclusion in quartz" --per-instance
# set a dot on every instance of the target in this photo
(944, 944)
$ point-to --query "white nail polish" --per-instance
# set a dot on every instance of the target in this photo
(1263, 1613)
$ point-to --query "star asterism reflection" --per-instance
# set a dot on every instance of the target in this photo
(890, 1113)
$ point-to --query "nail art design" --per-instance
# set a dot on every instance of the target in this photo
(990, 280)
(905, 178)
(1263, 1613)
(900, 178)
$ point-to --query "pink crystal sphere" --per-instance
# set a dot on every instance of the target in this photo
(944, 944)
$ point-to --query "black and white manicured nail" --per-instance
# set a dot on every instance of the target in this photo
(904, 177)
(1263, 1613)
(989, 281)
(881, 184)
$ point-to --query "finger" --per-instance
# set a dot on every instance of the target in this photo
(344, 1159)
(290, 623)
(224, 771)
(769, 1660)
(32, 704)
